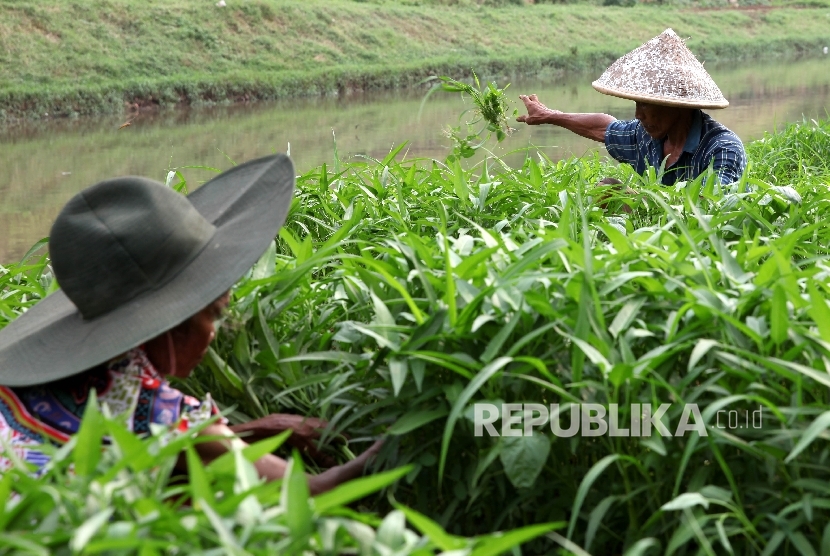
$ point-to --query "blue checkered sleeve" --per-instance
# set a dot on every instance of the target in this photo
(621, 142)
(727, 156)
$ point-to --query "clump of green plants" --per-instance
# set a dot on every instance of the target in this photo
(489, 110)
(400, 295)
(109, 492)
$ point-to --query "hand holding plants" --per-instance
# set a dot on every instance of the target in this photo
(537, 113)
(306, 434)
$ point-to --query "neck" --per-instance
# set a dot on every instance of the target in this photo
(161, 354)
(680, 130)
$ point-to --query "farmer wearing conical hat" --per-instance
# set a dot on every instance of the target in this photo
(670, 87)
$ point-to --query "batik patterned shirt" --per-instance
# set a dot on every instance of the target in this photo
(708, 142)
(128, 384)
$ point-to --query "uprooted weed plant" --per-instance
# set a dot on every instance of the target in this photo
(401, 293)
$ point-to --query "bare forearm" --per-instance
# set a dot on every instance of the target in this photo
(272, 468)
(334, 476)
(590, 125)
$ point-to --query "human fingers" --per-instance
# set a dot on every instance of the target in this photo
(521, 118)
(534, 98)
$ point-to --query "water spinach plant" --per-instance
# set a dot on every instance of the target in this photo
(489, 110)
(121, 496)
(402, 293)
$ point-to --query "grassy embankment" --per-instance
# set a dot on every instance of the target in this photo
(399, 294)
(63, 58)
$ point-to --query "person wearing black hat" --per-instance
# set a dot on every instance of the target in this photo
(144, 272)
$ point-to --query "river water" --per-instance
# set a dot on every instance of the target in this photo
(44, 163)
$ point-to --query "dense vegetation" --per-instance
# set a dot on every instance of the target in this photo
(399, 294)
(63, 58)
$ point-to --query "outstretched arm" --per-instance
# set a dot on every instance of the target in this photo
(305, 433)
(589, 125)
(272, 468)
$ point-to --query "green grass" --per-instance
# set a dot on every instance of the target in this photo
(63, 58)
(398, 294)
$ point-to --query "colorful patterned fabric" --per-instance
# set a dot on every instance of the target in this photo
(128, 384)
(708, 143)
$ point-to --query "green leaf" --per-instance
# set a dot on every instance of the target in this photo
(498, 340)
(432, 530)
(499, 543)
(295, 499)
(825, 540)
(460, 404)
(779, 320)
(199, 484)
(686, 500)
(524, 457)
(813, 431)
(391, 530)
(24, 545)
(398, 370)
(225, 464)
(89, 528)
(642, 546)
(87, 452)
(701, 349)
(625, 317)
(596, 517)
(819, 311)
(586, 484)
(801, 544)
(415, 419)
(356, 489)
(223, 373)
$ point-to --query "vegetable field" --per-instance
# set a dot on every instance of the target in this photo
(402, 292)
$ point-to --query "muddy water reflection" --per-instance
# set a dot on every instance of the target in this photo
(42, 165)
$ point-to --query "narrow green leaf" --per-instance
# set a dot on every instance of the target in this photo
(817, 427)
(295, 495)
(641, 547)
(432, 530)
(89, 528)
(199, 485)
(225, 463)
(501, 336)
(461, 403)
(412, 420)
(499, 543)
(398, 371)
(819, 311)
(87, 453)
(779, 321)
(356, 489)
(625, 317)
(587, 482)
(701, 349)
(685, 500)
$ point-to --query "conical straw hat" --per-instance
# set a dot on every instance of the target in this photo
(662, 71)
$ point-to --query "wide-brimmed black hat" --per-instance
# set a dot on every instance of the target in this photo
(134, 258)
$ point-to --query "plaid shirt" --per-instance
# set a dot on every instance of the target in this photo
(708, 142)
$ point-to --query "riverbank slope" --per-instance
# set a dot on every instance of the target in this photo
(60, 57)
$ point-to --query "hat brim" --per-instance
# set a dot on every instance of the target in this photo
(661, 100)
(247, 204)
